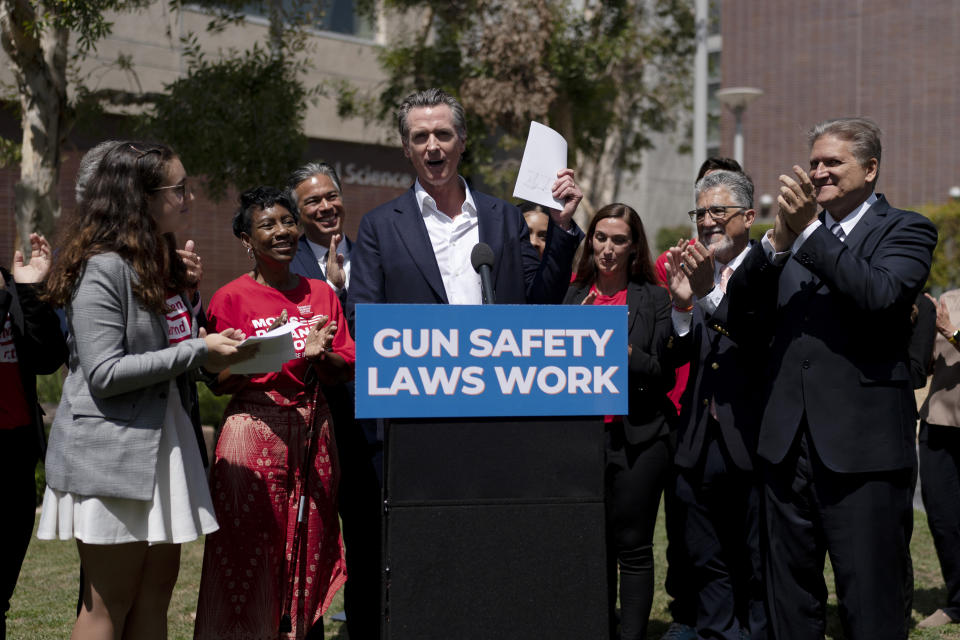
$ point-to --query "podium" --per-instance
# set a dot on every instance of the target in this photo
(494, 521)
(494, 528)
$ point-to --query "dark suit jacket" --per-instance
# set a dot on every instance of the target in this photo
(649, 331)
(393, 260)
(725, 373)
(840, 317)
(41, 347)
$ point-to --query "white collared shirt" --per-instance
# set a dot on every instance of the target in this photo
(709, 303)
(321, 252)
(847, 224)
(453, 240)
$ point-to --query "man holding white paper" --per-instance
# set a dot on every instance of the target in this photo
(416, 248)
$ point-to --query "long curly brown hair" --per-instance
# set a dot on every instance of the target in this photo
(114, 216)
(641, 266)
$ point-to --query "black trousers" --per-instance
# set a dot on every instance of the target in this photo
(635, 478)
(360, 505)
(863, 520)
(20, 502)
(679, 580)
(722, 504)
(940, 487)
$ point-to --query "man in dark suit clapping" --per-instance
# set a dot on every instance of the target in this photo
(716, 441)
(830, 297)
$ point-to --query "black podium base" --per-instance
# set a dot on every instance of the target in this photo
(495, 529)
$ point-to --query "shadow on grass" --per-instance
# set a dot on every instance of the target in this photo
(928, 600)
(656, 628)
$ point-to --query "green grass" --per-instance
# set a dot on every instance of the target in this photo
(43, 604)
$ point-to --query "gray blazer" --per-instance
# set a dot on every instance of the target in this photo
(106, 432)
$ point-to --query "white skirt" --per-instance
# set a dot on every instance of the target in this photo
(180, 511)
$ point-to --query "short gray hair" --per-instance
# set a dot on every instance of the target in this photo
(863, 134)
(431, 98)
(307, 171)
(88, 166)
(739, 184)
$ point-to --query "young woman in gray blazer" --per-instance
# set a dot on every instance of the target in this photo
(124, 475)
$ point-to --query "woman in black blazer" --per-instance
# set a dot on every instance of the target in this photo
(616, 268)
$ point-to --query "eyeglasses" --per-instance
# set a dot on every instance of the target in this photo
(717, 212)
(179, 190)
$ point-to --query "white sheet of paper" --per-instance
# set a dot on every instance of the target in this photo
(544, 155)
(276, 349)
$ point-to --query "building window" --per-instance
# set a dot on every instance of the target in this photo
(337, 16)
(340, 16)
(713, 20)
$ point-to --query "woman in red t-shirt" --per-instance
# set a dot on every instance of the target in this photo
(275, 457)
(616, 268)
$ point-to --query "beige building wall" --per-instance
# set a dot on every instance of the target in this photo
(150, 39)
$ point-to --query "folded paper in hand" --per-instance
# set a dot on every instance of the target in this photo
(276, 348)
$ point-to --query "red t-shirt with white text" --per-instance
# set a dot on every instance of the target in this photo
(14, 411)
(251, 307)
(179, 319)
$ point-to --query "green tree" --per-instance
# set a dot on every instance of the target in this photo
(945, 271)
(36, 35)
(237, 117)
(237, 120)
(257, 94)
(605, 76)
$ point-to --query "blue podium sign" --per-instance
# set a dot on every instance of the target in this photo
(447, 361)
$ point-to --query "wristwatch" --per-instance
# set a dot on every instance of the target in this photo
(954, 337)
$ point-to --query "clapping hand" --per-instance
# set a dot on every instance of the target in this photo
(320, 339)
(944, 325)
(797, 200)
(677, 281)
(279, 321)
(336, 275)
(697, 263)
(192, 263)
(41, 258)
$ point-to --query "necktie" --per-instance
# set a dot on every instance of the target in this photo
(837, 230)
(725, 278)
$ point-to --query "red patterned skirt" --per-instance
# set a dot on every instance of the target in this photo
(256, 484)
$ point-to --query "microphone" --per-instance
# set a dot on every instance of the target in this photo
(482, 260)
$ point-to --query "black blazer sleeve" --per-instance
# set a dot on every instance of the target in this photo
(41, 348)
(921, 341)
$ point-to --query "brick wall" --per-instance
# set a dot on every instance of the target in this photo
(895, 61)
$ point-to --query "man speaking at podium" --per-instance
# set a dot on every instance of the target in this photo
(416, 249)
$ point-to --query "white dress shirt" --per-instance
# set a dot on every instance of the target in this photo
(847, 224)
(453, 240)
(709, 303)
(321, 252)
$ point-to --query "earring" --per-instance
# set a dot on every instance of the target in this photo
(250, 252)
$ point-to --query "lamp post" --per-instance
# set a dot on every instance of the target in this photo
(737, 99)
(766, 205)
